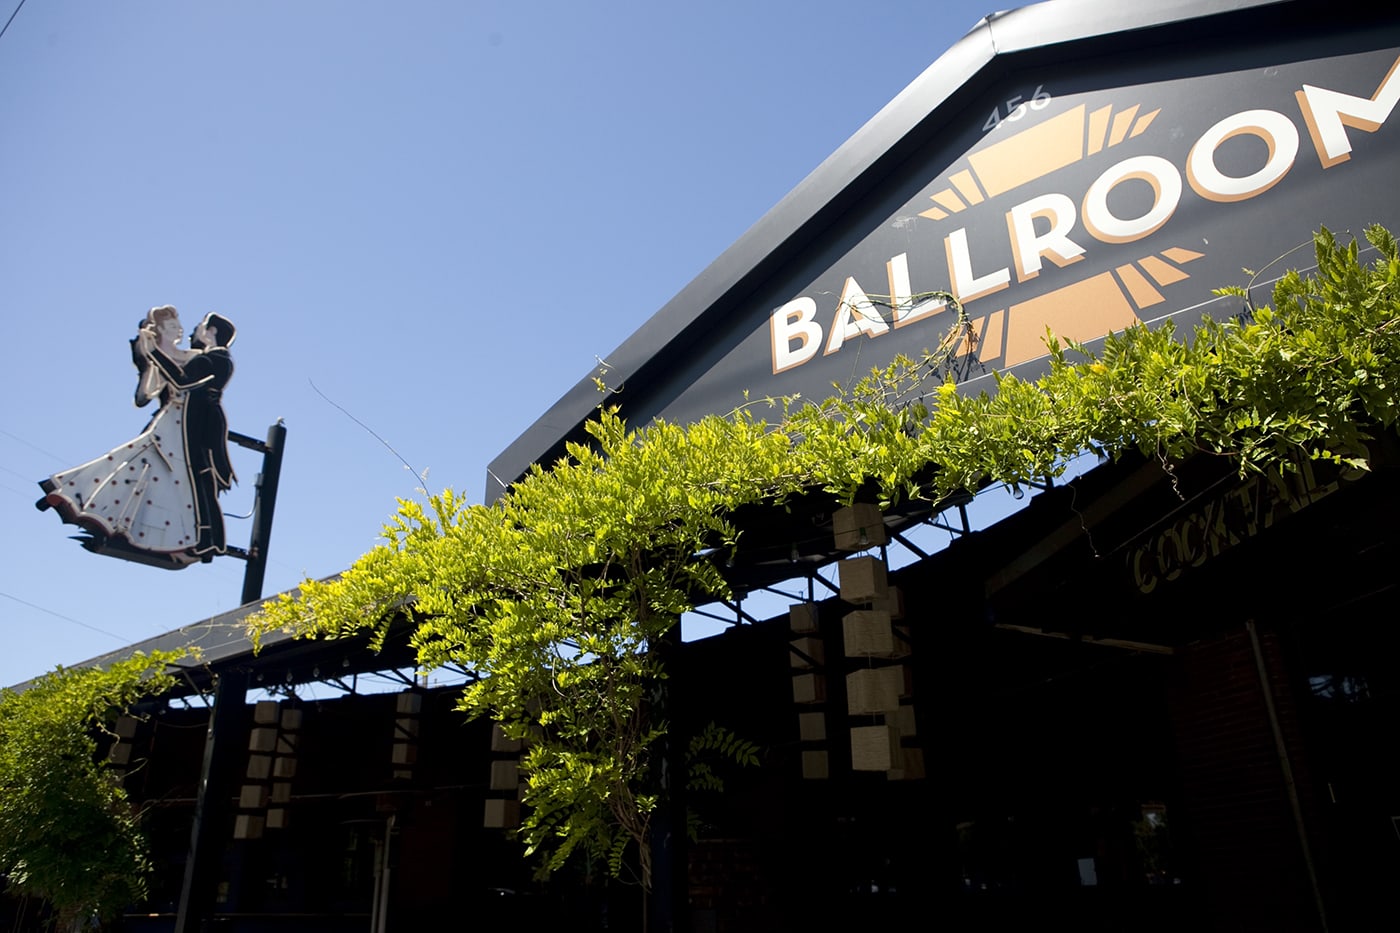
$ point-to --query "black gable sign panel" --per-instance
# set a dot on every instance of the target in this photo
(1089, 186)
(1082, 213)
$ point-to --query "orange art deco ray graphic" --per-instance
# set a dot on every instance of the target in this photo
(1034, 153)
(1083, 311)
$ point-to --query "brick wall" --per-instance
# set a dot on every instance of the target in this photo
(1239, 820)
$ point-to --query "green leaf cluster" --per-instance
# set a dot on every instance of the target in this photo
(710, 751)
(68, 834)
(558, 595)
(557, 598)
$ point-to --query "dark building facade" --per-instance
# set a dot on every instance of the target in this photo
(1153, 697)
(1113, 708)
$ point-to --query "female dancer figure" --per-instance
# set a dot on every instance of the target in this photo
(141, 494)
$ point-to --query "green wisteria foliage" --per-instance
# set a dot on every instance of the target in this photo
(558, 595)
(68, 834)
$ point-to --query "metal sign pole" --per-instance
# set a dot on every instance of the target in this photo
(226, 722)
(210, 829)
(264, 501)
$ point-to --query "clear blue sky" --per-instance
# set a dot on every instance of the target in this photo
(438, 212)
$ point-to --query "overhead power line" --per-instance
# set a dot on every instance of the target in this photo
(11, 19)
(16, 437)
(59, 615)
